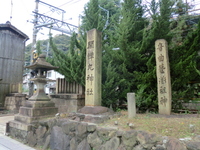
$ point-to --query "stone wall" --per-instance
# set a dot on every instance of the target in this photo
(14, 101)
(68, 102)
(191, 106)
(66, 134)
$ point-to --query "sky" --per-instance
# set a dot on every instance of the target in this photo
(22, 16)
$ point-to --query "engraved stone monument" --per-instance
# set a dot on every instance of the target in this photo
(93, 69)
(163, 77)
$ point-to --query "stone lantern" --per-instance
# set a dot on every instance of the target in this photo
(39, 106)
(40, 68)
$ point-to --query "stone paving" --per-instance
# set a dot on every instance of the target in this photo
(6, 143)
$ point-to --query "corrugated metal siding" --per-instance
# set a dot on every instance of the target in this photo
(11, 61)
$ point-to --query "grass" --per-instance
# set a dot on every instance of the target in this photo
(176, 125)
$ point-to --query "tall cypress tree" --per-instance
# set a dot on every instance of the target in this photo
(127, 39)
(157, 29)
(184, 60)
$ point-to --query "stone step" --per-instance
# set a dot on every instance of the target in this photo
(20, 125)
(39, 104)
(36, 112)
(28, 119)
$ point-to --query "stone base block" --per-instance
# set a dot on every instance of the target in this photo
(68, 102)
(19, 125)
(94, 110)
(30, 120)
(35, 112)
(14, 101)
(39, 104)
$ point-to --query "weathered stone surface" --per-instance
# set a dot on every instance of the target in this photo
(129, 138)
(95, 118)
(119, 133)
(73, 144)
(163, 77)
(40, 132)
(69, 126)
(93, 76)
(81, 131)
(68, 102)
(112, 144)
(121, 147)
(193, 145)
(31, 138)
(174, 144)
(159, 147)
(139, 147)
(51, 123)
(14, 102)
(93, 110)
(60, 121)
(106, 133)
(47, 143)
(84, 145)
(20, 125)
(19, 134)
(147, 140)
(59, 140)
(91, 127)
(94, 140)
(197, 138)
(131, 105)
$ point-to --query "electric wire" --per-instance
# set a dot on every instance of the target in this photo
(11, 10)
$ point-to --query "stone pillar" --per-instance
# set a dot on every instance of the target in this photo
(163, 77)
(93, 69)
(20, 87)
(131, 105)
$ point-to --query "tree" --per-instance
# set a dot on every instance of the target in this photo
(184, 66)
(127, 39)
(158, 29)
(180, 23)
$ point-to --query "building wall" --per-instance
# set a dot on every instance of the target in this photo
(53, 75)
(51, 86)
(12, 47)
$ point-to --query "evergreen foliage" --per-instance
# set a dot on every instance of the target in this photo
(184, 60)
(128, 36)
(159, 29)
(132, 68)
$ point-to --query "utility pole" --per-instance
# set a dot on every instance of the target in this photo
(33, 48)
(41, 20)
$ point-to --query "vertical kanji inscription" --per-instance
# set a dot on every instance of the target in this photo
(163, 77)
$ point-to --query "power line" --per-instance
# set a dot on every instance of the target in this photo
(66, 3)
(11, 10)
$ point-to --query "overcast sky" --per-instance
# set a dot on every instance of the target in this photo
(22, 16)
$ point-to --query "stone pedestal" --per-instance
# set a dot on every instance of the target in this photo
(31, 113)
(68, 102)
